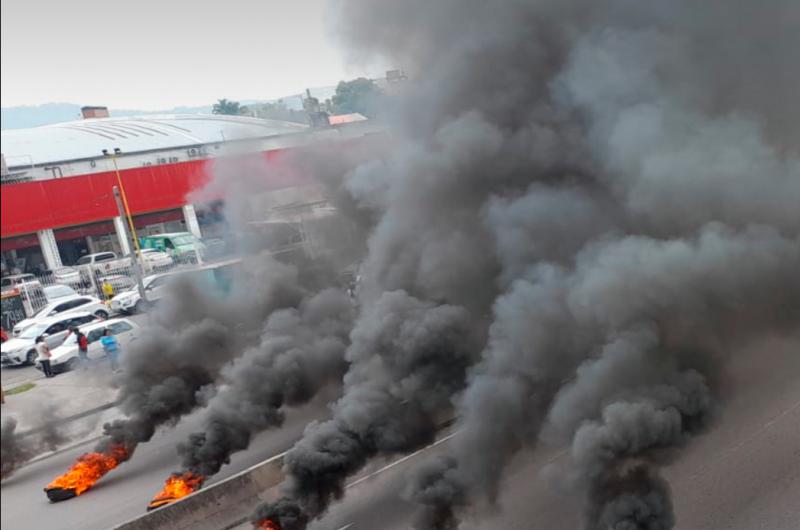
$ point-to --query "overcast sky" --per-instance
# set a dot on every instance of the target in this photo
(153, 54)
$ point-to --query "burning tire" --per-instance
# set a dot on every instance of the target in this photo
(178, 486)
(84, 473)
(60, 494)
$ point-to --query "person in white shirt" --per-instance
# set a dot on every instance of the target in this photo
(43, 353)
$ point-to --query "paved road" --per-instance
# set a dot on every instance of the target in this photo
(125, 492)
(743, 475)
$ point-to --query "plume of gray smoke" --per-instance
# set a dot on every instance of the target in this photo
(301, 350)
(193, 335)
(602, 180)
(18, 448)
(617, 455)
(643, 313)
(15, 450)
(407, 358)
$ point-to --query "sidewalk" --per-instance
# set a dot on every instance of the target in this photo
(65, 395)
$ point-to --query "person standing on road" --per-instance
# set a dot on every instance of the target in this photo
(111, 347)
(43, 353)
(108, 289)
(83, 344)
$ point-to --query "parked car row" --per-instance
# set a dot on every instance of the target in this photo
(21, 349)
(65, 356)
(68, 305)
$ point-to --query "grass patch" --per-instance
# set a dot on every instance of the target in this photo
(19, 389)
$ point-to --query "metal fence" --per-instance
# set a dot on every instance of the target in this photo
(102, 280)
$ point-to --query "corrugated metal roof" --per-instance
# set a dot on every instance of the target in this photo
(87, 138)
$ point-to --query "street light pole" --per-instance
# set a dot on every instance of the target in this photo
(127, 211)
(137, 273)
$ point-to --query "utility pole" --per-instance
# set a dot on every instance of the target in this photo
(126, 212)
(137, 272)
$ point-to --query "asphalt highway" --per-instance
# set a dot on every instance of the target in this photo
(124, 493)
(744, 474)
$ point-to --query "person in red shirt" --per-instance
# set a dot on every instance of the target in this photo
(83, 344)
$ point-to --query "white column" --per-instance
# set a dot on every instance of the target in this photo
(124, 243)
(191, 220)
(47, 241)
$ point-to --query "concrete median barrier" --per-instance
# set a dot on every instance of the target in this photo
(218, 506)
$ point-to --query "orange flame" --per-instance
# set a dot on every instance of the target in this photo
(88, 469)
(267, 524)
(176, 487)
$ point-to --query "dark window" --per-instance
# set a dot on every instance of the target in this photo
(95, 335)
(119, 327)
(58, 327)
(72, 304)
(80, 321)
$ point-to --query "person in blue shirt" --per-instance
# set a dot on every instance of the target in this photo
(111, 347)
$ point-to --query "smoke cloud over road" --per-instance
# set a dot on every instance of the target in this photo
(194, 334)
(584, 208)
(301, 350)
(18, 448)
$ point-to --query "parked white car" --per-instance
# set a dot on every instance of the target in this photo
(120, 282)
(68, 276)
(105, 263)
(65, 357)
(77, 303)
(21, 349)
(155, 260)
(19, 281)
(129, 302)
(58, 292)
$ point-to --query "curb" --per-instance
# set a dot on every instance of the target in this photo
(60, 450)
(220, 505)
(72, 418)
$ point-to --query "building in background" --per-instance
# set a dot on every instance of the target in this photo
(57, 201)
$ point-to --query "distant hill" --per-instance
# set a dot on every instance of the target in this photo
(22, 117)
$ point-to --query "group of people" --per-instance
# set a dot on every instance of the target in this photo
(109, 342)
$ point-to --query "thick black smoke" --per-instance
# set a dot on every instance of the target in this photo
(170, 370)
(609, 191)
(407, 358)
(301, 350)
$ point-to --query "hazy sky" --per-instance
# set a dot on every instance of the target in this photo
(156, 54)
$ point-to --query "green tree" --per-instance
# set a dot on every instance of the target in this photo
(278, 110)
(233, 108)
(360, 95)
